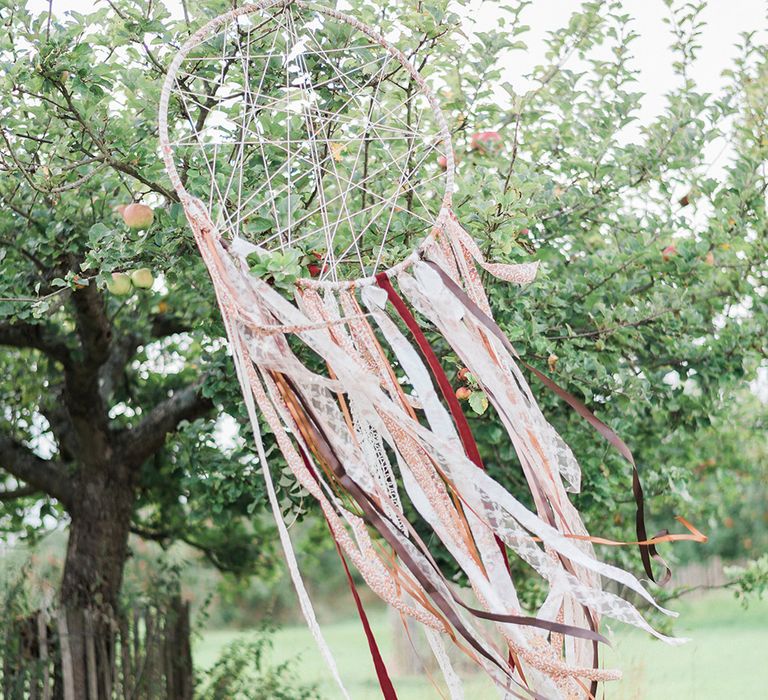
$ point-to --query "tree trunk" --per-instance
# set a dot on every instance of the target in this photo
(96, 552)
(98, 543)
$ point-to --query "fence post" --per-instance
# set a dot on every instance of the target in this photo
(169, 644)
(67, 674)
(74, 653)
(125, 656)
(186, 675)
(7, 666)
(90, 655)
(106, 653)
(42, 641)
(177, 651)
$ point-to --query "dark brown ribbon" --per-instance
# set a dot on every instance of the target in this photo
(377, 518)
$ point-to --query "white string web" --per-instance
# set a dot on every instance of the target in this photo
(306, 137)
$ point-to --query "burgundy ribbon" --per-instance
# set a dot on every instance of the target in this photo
(387, 689)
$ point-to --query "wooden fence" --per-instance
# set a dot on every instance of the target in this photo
(709, 573)
(82, 654)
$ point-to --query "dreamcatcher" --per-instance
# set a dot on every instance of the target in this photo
(302, 140)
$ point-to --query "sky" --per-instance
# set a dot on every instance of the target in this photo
(725, 20)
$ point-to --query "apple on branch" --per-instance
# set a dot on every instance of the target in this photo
(314, 268)
(142, 278)
(485, 141)
(668, 252)
(136, 216)
(119, 284)
(463, 393)
(442, 161)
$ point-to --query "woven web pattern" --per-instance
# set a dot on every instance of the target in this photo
(307, 137)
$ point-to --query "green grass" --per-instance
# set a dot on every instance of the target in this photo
(727, 656)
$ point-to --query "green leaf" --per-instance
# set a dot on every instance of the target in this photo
(97, 232)
(258, 224)
(479, 402)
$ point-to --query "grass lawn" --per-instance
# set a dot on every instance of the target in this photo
(726, 658)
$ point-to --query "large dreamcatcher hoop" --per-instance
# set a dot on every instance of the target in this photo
(311, 156)
(313, 140)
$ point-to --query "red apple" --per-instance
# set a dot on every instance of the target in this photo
(668, 252)
(442, 161)
(485, 141)
(709, 258)
(313, 268)
(138, 216)
(462, 374)
(463, 393)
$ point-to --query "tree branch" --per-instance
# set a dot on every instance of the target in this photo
(148, 437)
(26, 215)
(87, 410)
(103, 147)
(612, 329)
(164, 325)
(113, 370)
(93, 324)
(41, 474)
(124, 347)
(54, 409)
(20, 334)
(170, 195)
(165, 537)
(21, 492)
